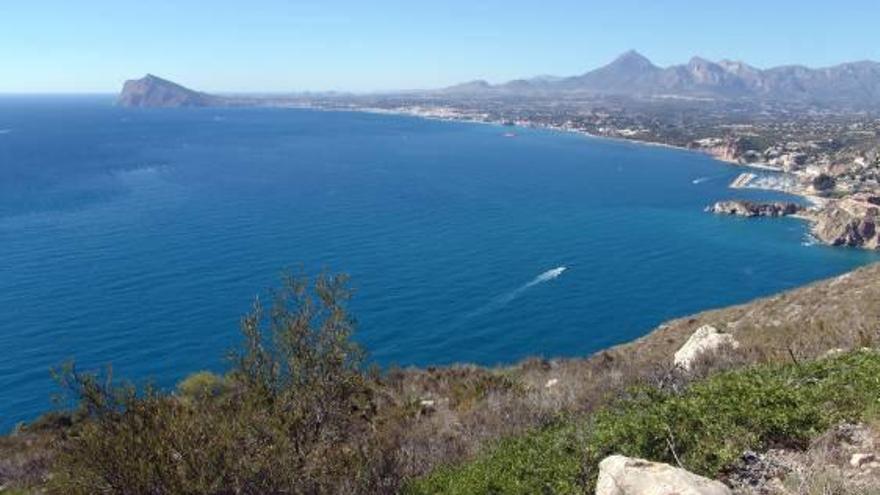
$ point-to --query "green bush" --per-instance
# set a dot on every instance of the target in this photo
(293, 416)
(705, 428)
(547, 461)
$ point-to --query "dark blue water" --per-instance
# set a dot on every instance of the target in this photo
(139, 238)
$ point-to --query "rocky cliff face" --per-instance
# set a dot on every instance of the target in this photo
(152, 91)
(851, 222)
(751, 209)
(847, 223)
(727, 152)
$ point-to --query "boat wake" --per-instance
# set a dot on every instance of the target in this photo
(700, 180)
(5, 131)
(505, 299)
(545, 277)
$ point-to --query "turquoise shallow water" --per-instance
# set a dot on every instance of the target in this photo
(139, 237)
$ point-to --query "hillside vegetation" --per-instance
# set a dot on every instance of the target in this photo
(300, 412)
(705, 428)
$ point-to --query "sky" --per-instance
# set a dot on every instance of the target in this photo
(93, 46)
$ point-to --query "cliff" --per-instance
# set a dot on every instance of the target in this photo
(847, 222)
(152, 91)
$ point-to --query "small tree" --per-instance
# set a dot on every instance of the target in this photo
(293, 415)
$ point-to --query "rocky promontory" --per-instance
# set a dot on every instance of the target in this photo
(848, 222)
(152, 91)
(753, 209)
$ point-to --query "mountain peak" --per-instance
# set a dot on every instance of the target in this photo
(632, 58)
(475, 86)
(153, 91)
(154, 78)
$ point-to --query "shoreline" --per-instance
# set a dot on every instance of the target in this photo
(820, 213)
(811, 198)
(812, 215)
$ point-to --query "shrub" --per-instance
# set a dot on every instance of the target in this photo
(293, 416)
(545, 461)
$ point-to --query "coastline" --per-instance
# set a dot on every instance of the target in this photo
(821, 214)
(831, 221)
(454, 117)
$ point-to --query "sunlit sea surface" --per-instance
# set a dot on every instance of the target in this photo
(139, 237)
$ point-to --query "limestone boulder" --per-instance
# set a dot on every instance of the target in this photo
(619, 475)
(707, 338)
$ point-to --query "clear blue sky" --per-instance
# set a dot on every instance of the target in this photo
(364, 45)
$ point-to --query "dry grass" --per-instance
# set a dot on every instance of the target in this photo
(25, 461)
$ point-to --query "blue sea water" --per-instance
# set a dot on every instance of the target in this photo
(139, 237)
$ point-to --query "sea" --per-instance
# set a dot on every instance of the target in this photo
(137, 238)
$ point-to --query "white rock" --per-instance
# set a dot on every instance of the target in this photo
(706, 338)
(619, 475)
(859, 460)
(833, 352)
(426, 403)
(551, 383)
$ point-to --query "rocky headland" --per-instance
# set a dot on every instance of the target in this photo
(755, 209)
(847, 222)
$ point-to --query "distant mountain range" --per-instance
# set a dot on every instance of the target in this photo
(631, 74)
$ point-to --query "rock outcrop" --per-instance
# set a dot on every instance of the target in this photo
(847, 223)
(619, 475)
(851, 222)
(845, 453)
(752, 209)
(152, 91)
(727, 150)
(706, 339)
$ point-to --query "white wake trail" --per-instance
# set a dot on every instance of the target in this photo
(505, 299)
(546, 276)
(701, 180)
